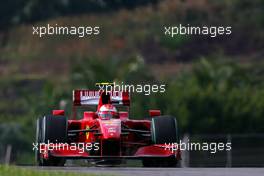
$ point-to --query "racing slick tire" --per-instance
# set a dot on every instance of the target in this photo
(38, 140)
(163, 130)
(52, 129)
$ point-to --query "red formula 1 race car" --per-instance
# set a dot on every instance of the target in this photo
(106, 135)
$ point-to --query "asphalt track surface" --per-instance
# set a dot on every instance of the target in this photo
(132, 171)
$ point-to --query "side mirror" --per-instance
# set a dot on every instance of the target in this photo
(123, 115)
(153, 113)
(58, 112)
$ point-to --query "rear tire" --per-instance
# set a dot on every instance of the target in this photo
(52, 129)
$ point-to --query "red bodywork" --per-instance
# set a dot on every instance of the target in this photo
(112, 138)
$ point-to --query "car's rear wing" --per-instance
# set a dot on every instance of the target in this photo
(91, 97)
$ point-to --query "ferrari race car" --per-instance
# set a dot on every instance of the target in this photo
(107, 134)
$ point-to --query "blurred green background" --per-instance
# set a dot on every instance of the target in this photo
(213, 85)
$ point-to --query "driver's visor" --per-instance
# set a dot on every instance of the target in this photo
(106, 115)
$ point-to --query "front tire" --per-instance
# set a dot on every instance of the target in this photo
(38, 140)
(52, 129)
(163, 130)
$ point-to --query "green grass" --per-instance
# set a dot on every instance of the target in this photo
(15, 171)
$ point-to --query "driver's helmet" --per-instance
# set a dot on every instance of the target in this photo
(107, 111)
